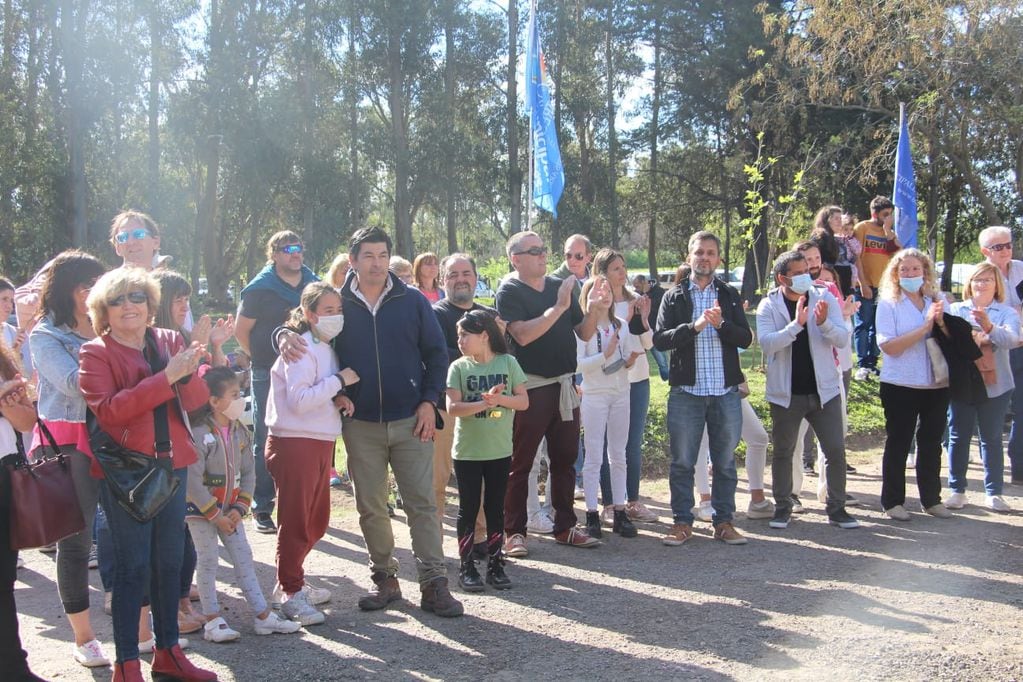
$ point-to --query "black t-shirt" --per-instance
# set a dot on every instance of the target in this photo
(269, 311)
(553, 354)
(448, 314)
(804, 381)
(656, 295)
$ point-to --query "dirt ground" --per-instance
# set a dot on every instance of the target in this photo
(924, 600)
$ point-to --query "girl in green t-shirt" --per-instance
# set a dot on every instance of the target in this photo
(485, 386)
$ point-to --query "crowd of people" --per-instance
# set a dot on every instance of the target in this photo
(420, 381)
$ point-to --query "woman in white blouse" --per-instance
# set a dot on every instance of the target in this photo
(907, 312)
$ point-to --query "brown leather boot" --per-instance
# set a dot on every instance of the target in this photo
(171, 664)
(437, 599)
(385, 590)
(128, 671)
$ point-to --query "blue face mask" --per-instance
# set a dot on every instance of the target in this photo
(911, 284)
(801, 283)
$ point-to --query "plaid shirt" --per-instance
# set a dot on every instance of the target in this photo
(710, 368)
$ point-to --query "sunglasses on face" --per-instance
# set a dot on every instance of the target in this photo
(532, 251)
(136, 297)
(136, 234)
(1007, 246)
(291, 249)
(577, 256)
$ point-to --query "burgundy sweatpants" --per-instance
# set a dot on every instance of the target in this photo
(543, 419)
(301, 471)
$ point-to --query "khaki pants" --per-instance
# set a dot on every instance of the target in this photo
(371, 447)
(443, 440)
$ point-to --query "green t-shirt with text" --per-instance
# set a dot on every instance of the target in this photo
(488, 434)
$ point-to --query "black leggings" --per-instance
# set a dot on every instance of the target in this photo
(489, 477)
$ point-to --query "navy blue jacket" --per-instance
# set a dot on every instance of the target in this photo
(399, 354)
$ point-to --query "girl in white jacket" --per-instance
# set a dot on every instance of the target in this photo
(604, 362)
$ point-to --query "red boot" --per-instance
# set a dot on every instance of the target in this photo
(129, 671)
(170, 665)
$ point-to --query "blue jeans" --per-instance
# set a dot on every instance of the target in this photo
(687, 416)
(104, 550)
(1016, 434)
(661, 358)
(146, 555)
(639, 403)
(263, 495)
(989, 416)
(865, 333)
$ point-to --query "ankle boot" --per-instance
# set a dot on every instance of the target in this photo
(622, 525)
(128, 671)
(468, 577)
(593, 525)
(436, 598)
(496, 576)
(170, 665)
(385, 590)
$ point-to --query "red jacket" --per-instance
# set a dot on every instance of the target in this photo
(122, 392)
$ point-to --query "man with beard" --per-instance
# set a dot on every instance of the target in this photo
(458, 277)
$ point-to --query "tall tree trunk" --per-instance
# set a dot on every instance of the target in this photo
(212, 256)
(512, 104)
(612, 141)
(399, 141)
(307, 107)
(449, 107)
(153, 148)
(72, 32)
(951, 221)
(354, 196)
(655, 117)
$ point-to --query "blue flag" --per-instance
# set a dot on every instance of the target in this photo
(548, 173)
(904, 193)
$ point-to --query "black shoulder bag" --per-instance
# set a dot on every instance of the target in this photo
(142, 484)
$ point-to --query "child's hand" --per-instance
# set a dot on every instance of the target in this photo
(224, 524)
(235, 516)
(493, 396)
(345, 404)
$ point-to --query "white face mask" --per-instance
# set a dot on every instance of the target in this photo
(329, 326)
(235, 409)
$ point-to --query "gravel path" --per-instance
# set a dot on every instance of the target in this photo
(924, 600)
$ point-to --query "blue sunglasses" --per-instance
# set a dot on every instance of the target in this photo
(137, 233)
(291, 248)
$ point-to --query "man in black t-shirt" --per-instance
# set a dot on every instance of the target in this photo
(543, 320)
(265, 304)
(800, 325)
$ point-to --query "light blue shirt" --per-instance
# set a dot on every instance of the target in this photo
(912, 367)
(710, 367)
(1004, 337)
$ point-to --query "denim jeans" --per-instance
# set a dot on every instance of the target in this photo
(687, 416)
(661, 358)
(1016, 434)
(263, 496)
(865, 333)
(639, 404)
(146, 554)
(104, 550)
(989, 416)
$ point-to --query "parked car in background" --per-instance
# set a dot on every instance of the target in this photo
(483, 290)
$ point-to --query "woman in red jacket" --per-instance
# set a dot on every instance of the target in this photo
(122, 390)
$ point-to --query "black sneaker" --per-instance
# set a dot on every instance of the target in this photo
(468, 577)
(781, 519)
(593, 525)
(850, 469)
(496, 577)
(842, 519)
(797, 506)
(265, 524)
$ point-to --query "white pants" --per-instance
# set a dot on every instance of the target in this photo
(533, 506)
(205, 537)
(600, 413)
(755, 435)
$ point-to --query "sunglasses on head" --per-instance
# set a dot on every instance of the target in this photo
(291, 249)
(136, 297)
(1001, 247)
(532, 251)
(577, 256)
(137, 233)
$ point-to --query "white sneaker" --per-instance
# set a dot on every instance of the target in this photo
(996, 503)
(956, 501)
(149, 646)
(540, 523)
(315, 595)
(862, 374)
(21, 562)
(217, 630)
(704, 511)
(297, 608)
(579, 493)
(898, 512)
(764, 509)
(939, 510)
(91, 654)
(274, 624)
(607, 515)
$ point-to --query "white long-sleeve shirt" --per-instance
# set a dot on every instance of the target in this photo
(302, 394)
(591, 361)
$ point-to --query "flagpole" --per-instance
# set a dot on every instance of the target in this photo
(529, 151)
(902, 119)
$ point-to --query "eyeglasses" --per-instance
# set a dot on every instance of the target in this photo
(985, 281)
(532, 251)
(136, 297)
(577, 256)
(291, 249)
(1001, 247)
(136, 234)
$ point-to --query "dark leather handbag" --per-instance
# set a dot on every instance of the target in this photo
(44, 505)
(142, 484)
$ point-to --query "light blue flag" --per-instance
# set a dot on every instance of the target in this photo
(904, 192)
(548, 173)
